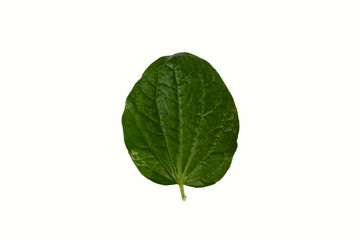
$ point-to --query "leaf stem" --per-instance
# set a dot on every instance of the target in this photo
(182, 191)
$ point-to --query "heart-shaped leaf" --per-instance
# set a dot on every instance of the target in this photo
(180, 123)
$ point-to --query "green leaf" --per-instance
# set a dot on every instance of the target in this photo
(180, 123)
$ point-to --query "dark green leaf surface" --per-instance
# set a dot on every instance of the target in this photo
(180, 123)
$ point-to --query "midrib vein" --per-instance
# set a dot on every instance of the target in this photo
(162, 127)
(180, 129)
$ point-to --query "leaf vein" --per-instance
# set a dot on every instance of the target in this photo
(196, 139)
(163, 164)
(161, 125)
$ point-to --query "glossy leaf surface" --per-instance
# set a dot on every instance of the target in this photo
(180, 123)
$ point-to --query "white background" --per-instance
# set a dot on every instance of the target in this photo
(66, 67)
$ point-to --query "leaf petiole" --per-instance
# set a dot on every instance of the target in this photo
(182, 191)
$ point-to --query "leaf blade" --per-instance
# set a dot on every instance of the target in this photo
(187, 117)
